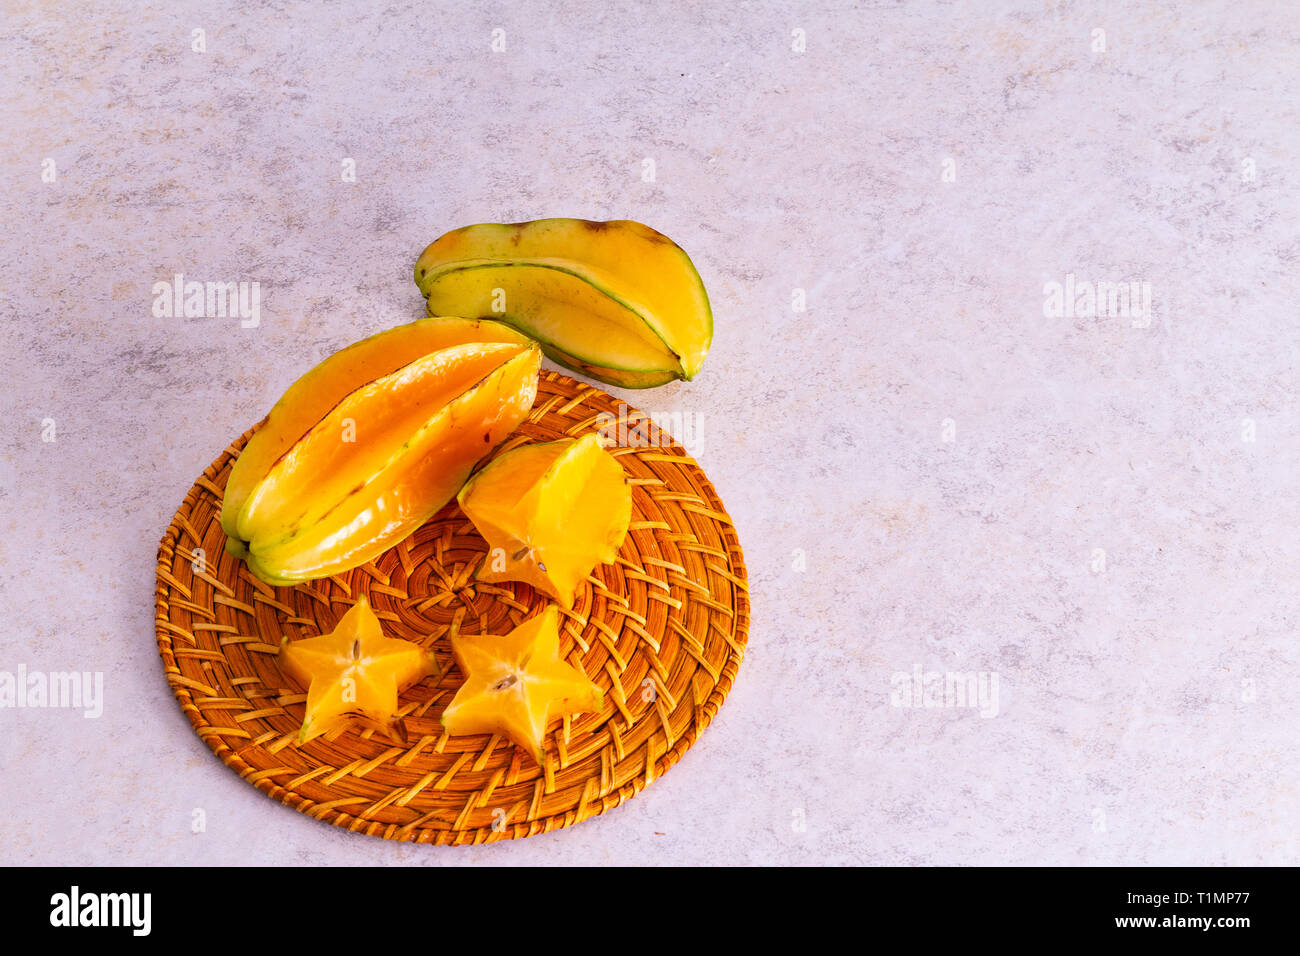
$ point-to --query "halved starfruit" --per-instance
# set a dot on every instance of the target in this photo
(353, 675)
(550, 513)
(517, 684)
(371, 443)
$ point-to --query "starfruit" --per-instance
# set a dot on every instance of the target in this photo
(517, 684)
(614, 300)
(372, 443)
(354, 674)
(550, 513)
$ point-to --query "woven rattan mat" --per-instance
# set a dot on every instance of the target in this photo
(662, 631)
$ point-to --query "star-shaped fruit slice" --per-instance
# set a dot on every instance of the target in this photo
(517, 684)
(550, 513)
(354, 674)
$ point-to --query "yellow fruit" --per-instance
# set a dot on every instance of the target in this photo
(614, 300)
(381, 461)
(517, 684)
(354, 674)
(550, 513)
(310, 398)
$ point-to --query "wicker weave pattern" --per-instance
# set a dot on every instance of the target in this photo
(662, 631)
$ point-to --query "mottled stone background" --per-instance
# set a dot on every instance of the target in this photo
(1100, 530)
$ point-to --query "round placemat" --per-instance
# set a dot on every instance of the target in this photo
(662, 632)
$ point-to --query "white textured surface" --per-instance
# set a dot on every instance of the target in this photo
(1147, 711)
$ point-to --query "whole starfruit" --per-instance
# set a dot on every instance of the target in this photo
(614, 300)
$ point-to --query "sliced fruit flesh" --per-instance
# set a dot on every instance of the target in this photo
(500, 501)
(554, 304)
(646, 268)
(360, 437)
(555, 510)
(517, 684)
(438, 459)
(312, 396)
(604, 492)
(579, 530)
(354, 673)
